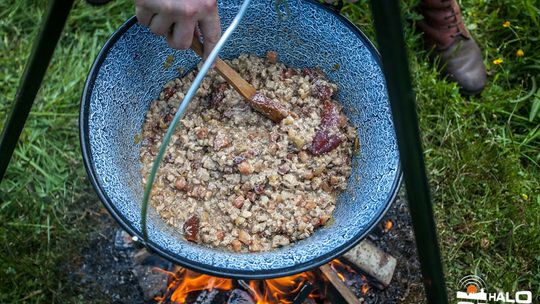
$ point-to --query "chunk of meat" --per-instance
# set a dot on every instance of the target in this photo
(221, 141)
(324, 219)
(325, 187)
(283, 169)
(324, 142)
(248, 154)
(322, 90)
(162, 124)
(236, 245)
(244, 237)
(268, 107)
(312, 73)
(308, 175)
(327, 137)
(181, 184)
(191, 229)
(329, 115)
(259, 189)
(271, 56)
(218, 95)
(197, 192)
(168, 93)
(246, 187)
(245, 168)
(239, 202)
(288, 73)
(303, 156)
(201, 132)
(251, 196)
(342, 121)
(220, 235)
(168, 118)
(273, 148)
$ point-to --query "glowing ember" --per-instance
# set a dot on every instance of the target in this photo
(365, 289)
(341, 268)
(280, 290)
(388, 225)
(341, 277)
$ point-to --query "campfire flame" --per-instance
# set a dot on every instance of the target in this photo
(279, 290)
(185, 281)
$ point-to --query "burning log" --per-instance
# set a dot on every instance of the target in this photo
(166, 299)
(332, 283)
(239, 296)
(153, 282)
(212, 296)
(373, 261)
(333, 277)
(188, 284)
(151, 273)
(304, 292)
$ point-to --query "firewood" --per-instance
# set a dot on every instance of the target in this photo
(371, 260)
(333, 277)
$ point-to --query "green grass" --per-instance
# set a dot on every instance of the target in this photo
(482, 154)
(45, 193)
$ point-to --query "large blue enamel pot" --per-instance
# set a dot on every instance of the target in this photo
(129, 73)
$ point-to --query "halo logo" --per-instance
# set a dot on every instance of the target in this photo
(474, 285)
(474, 293)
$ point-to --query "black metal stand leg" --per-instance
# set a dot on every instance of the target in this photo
(42, 51)
(387, 19)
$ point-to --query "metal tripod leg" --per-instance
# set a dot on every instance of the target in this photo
(387, 20)
(42, 51)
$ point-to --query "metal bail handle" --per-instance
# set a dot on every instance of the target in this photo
(182, 109)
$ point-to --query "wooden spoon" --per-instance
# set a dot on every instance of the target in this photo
(266, 106)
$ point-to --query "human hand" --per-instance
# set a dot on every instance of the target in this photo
(178, 20)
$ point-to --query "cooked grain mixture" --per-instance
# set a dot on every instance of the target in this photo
(234, 179)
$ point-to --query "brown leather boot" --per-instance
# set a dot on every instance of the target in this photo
(445, 32)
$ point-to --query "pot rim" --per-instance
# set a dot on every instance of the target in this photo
(177, 259)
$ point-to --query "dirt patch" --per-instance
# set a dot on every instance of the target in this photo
(406, 285)
(103, 273)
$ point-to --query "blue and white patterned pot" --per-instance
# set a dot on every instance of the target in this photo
(129, 73)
